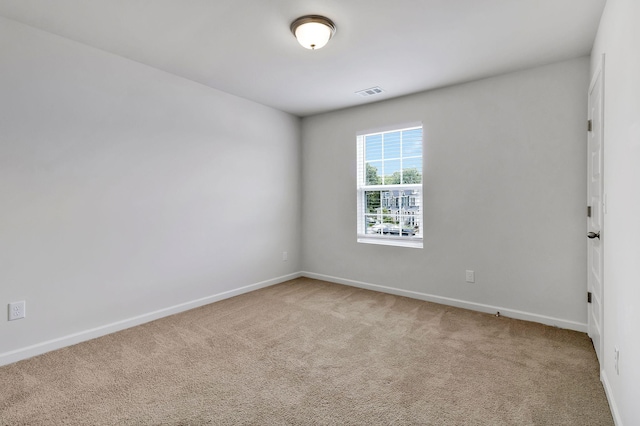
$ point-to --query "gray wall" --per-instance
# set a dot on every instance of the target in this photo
(619, 39)
(504, 195)
(128, 193)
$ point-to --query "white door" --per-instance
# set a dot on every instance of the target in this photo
(595, 211)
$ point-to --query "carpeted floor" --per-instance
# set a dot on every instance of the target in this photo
(308, 352)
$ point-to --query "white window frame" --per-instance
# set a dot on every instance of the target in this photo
(415, 241)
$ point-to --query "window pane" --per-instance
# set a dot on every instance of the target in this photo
(373, 147)
(372, 200)
(391, 172)
(412, 170)
(412, 143)
(374, 173)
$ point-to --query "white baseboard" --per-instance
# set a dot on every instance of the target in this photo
(72, 339)
(612, 402)
(511, 313)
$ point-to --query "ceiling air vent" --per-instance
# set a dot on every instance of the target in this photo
(369, 92)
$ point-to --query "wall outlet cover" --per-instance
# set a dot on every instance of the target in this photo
(17, 310)
(471, 276)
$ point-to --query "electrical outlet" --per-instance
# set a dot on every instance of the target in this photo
(16, 310)
(616, 360)
(471, 276)
(285, 256)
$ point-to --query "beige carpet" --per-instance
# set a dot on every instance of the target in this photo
(308, 352)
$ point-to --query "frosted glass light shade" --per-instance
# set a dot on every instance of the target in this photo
(313, 31)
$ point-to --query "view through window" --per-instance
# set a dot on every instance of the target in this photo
(390, 187)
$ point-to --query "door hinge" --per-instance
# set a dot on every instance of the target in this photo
(589, 125)
(588, 211)
(588, 297)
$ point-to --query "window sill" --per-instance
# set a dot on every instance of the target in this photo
(415, 242)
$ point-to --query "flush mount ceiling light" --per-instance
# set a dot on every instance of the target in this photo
(313, 31)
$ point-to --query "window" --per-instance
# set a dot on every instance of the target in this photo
(390, 187)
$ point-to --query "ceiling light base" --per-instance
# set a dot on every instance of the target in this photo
(313, 31)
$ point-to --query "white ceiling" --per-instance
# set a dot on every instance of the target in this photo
(244, 47)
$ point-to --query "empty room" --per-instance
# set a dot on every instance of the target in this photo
(298, 212)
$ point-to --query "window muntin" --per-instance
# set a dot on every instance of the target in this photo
(390, 187)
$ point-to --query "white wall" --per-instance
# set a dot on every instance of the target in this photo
(504, 195)
(619, 39)
(126, 191)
